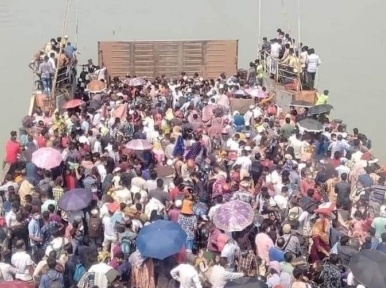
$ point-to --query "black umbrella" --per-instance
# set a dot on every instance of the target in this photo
(319, 109)
(301, 103)
(247, 282)
(368, 268)
(310, 125)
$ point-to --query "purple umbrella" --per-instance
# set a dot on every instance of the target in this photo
(75, 199)
(233, 216)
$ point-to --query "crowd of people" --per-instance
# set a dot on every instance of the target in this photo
(142, 152)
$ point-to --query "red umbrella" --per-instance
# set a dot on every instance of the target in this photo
(73, 103)
(16, 284)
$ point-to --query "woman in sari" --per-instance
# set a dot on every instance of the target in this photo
(320, 248)
(142, 271)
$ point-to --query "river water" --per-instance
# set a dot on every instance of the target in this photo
(349, 36)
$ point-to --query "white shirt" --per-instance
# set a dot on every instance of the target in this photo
(219, 276)
(100, 270)
(281, 201)
(275, 50)
(247, 117)
(230, 251)
(10, 219)
(313, 61)
(245, 162)
(7, 271)
(52, 61)
(187, 276)
(108, 227)
(20, 260)
(297, 145)
(232, 145)
(257, 112)
(97, 147)
(342, 169)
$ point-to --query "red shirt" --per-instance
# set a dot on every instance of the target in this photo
(41, 141)
(335, 162)
(11, 150)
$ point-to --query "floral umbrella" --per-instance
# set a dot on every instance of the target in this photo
(47, 158)
(139, 145)
(233, 216)
(137, 82)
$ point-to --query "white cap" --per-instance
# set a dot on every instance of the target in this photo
(251, 107)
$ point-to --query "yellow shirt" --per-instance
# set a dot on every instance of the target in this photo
(322, 99)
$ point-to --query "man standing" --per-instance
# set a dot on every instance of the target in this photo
(12, 150)
(312, 62)
(186, 274)
(45, 72)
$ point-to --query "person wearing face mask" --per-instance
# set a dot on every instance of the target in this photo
(34, 232)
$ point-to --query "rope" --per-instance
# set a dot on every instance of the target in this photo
(68, 2)
(259, 41)
(286, 17)
(77, 24)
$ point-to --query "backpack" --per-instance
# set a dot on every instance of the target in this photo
(126, 245)
(95, 227)
(79, 271)
(54, 282)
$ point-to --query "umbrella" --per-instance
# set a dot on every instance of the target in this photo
(240, 92)
(319, 109)
(301, 103)
(47, 158)
(247, 282)
(254, 92)
(164, 171)
(137, 82)
(96, 86)
(73, 103)
(368, 268)
(160, 239)
(139, 145)
(310, 125)
(16, 284)
(233, 216)
(75, 199)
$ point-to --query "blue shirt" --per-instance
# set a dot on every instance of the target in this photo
(51, 274)
(34, 230)
(275, 254)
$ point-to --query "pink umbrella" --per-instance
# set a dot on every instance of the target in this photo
(139, 145)
(47, 158)
(233, 216)
(253, 92)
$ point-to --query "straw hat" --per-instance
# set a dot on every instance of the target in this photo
(187, 207)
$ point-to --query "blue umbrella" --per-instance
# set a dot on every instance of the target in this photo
(160, 239)
(75, 199)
